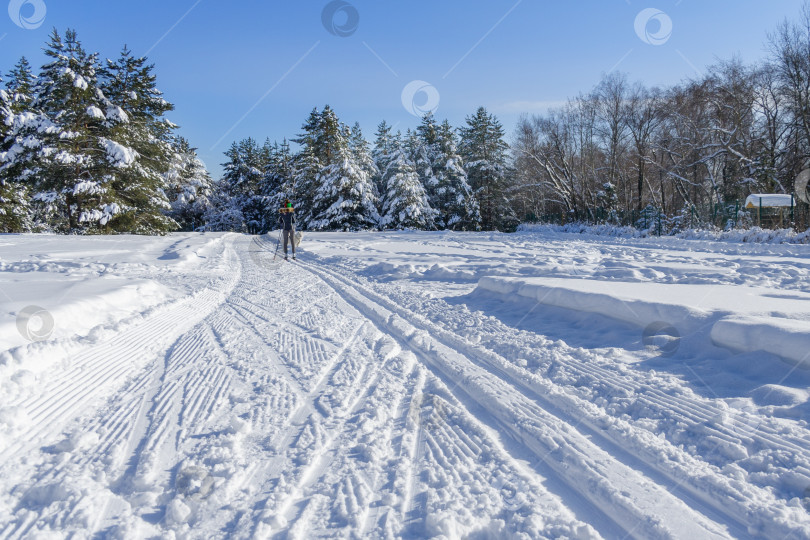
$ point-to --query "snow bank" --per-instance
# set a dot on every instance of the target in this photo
(629, 302)
(744, 319)
(83, 282)
(787, 338)
(83, 306)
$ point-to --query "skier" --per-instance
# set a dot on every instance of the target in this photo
(287, 220)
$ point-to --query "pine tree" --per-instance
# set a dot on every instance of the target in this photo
(188, 186)
(139, 108)
(72, 157)
(91, 146)
(20, 86)
(484, 151)
(14, 207)
(405, 203)
(24, 130)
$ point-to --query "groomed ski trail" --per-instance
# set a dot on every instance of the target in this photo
(300, 400)
(276, 409)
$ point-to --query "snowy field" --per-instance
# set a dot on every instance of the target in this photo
(535, 385)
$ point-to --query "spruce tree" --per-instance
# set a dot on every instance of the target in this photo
(139, 108)
(307, 165)
(223, 212)
(484, 152)
(455, 199)
(278, 183)
(188, 186)
(405, 203)
(344, 198)
(385, 146)
(424, 152)
(244, 174)
(362, 155)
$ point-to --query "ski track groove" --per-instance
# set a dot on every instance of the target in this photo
(365, 378)
(696, 412)
(415, 445)
(696, 409)
(411, 451)
(120, 427)
(112, 362)
(339, 281)
(318, 373)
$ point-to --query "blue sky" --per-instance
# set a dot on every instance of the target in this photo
(257, 67)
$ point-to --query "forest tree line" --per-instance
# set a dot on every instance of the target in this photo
(85, 147)
(736, 130)
(613, 152)
(431, 178)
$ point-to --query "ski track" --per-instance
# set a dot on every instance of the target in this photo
(291, 400)
(676, 476)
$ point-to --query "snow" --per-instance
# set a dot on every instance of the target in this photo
(770, 200)
(117, 114)
(87, 187)
(118, 154)
(404, 384)
(735, 314)
(754, 235)
(95, 112)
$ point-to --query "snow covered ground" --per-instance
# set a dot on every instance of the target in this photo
(533, 385)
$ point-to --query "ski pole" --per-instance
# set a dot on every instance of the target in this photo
(277, 245)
